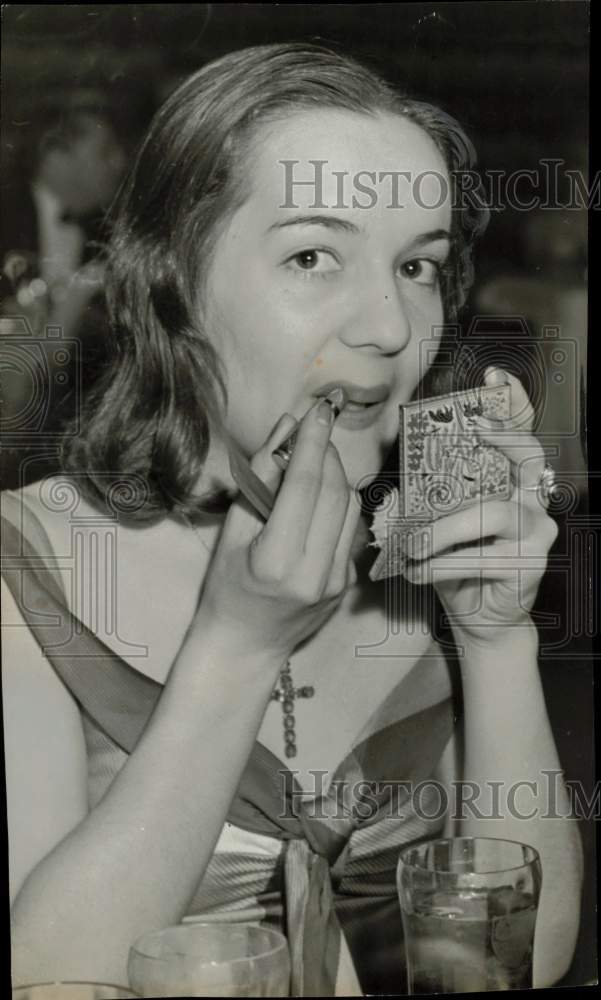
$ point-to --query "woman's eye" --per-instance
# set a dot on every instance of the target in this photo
(313, 261)
(422, 271)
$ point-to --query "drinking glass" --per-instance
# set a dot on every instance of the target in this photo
(469, 908)
(211, 960)
(72, 991)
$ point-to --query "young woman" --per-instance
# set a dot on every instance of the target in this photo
(148, 771)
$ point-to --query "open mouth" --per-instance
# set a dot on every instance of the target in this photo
(353, 406)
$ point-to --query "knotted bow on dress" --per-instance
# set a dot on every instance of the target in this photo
(341, 848)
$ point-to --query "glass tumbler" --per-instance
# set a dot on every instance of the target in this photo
(211, 960)
(469, 908)
(72, 991)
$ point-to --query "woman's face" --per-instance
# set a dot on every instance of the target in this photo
(319, 283)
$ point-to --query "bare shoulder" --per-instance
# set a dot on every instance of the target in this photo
(52, 510)
(135, 585)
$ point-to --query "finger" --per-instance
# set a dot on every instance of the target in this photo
(512, 436)
(329, 516)
(501, 563)
(262, 461)
(486, 525)
(343, 572)
(293, 511)
(523, 450)
(480, 521)
(521, 409)
(340, 568)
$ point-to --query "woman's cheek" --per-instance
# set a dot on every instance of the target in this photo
(427, 334)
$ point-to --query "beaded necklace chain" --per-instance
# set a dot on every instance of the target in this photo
(286, 693)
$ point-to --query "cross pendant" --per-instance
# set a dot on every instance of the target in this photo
(286, 693)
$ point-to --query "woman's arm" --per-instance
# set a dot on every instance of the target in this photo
(488, 586)
(508, 739)
(98, 880)
(134, 862)
(44, 749)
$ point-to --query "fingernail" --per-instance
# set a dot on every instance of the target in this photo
(335, 400)
(325, 413)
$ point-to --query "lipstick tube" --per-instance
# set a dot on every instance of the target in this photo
(337, 399)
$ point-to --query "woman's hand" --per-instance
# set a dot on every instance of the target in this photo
(274, 586)
(492, 581)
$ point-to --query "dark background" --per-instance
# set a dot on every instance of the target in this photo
(516, 75)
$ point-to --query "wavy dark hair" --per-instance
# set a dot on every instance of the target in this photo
(146, 423)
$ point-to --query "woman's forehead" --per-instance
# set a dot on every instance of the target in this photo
(347, 140)
(347, 162)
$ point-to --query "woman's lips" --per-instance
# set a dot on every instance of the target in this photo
(354, 407)
(357, 393)
(364, 403)
(357, 417)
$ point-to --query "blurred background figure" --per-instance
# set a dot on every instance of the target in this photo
(66, 166)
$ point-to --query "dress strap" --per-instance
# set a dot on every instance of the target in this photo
(118, 697)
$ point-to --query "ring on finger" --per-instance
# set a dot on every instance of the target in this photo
(545, 486)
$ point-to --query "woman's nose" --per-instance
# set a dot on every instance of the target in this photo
(380, 323)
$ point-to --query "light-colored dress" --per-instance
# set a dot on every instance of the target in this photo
(320, 869)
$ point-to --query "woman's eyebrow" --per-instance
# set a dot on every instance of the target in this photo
(343, 225)
(329, 221)
(431, 237)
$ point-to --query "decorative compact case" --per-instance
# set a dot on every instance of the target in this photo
(444, 466)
